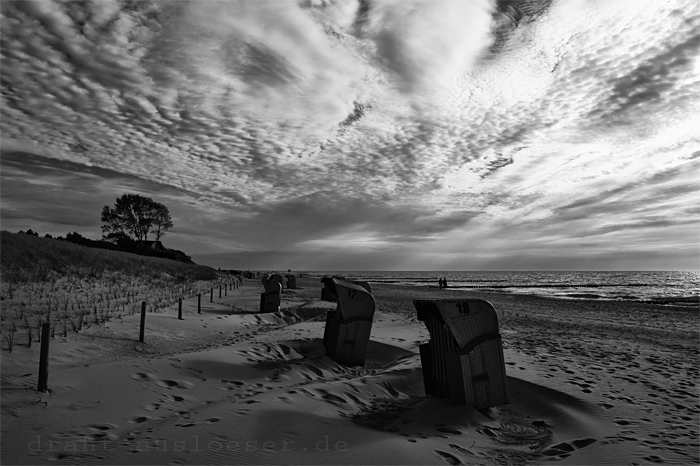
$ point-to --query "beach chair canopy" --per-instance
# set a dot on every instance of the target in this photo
(467, 319)
(272, 286)
(354, 301)
(364, 285)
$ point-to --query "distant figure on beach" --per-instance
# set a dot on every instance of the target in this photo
(444, 282)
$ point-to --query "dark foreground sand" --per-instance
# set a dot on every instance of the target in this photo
(591, 382)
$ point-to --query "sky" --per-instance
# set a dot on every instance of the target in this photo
(362, 134)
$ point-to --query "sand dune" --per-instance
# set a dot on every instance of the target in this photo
(590, 383)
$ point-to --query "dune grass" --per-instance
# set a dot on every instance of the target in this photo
(31, 258)
(70, 286)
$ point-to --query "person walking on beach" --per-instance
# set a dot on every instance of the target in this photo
(444, 282)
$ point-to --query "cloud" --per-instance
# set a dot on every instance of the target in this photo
(406, 126)
(428, 44)
(651, 79)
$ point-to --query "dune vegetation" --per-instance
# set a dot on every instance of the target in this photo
(71, 286)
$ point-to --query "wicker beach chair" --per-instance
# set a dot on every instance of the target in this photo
(271, 299)
(464, 359)
(348, 328)
(291, 282)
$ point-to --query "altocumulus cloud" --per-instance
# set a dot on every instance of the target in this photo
(433, 134)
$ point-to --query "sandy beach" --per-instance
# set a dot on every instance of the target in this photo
(590, 382)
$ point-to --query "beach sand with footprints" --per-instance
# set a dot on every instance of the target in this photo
(590, 382)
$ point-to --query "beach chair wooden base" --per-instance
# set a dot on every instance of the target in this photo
(270, 302)
(346, 343)
(433, 385)
(478, 378)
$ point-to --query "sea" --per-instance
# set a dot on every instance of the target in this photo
(679, 288)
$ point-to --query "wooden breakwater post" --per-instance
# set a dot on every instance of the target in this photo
(42, 386)
(199, 303)
(143, 321)
(219, 291)
(179, 309)
(211, 300)
(225, 290)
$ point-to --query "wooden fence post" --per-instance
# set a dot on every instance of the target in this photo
(44, 358)
(179, 309)
(143, 321)
(199, 303)
(225, 290)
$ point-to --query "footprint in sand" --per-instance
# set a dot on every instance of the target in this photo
(186, 424)
(564, 449)
(174, 384)
(89, 433)
(447, 430)
(138, 419)
(447, 457)
(233, 382)
(464, 451)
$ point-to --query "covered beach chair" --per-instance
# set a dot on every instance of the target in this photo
(464, 359)
(348, 328)
(271, 299)
(278, 278)
(291, 282)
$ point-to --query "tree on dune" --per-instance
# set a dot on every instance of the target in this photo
(135, 217)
